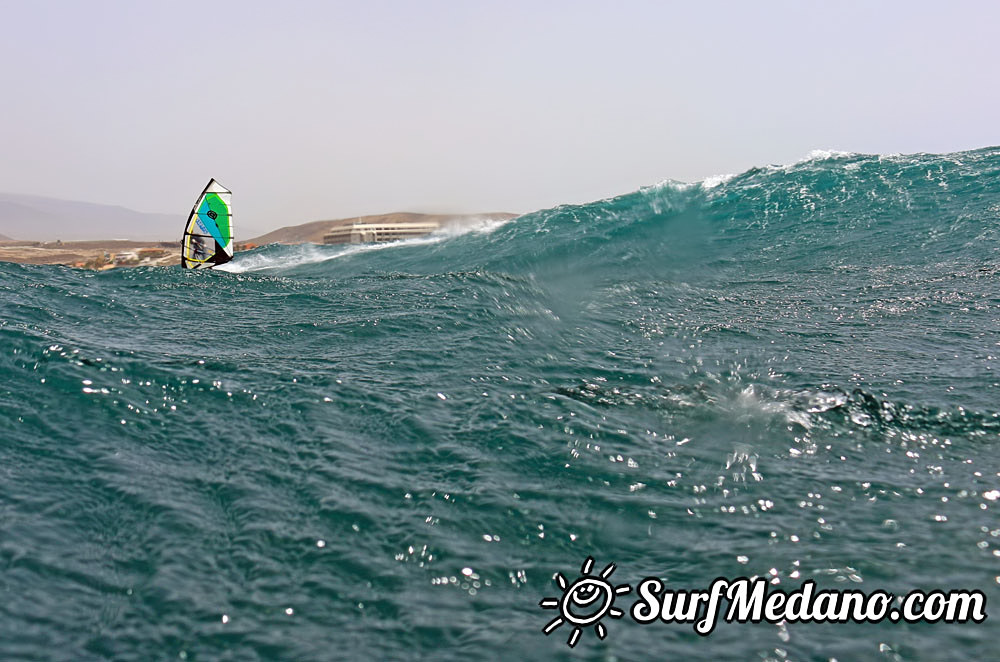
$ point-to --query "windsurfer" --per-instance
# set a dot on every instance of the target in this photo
(198, 251)
(208, 235)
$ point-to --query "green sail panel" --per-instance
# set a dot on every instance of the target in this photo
(208, 233)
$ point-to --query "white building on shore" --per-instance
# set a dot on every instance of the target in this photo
(366, 233)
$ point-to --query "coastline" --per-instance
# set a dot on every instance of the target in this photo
(91, 254)
(103, 254)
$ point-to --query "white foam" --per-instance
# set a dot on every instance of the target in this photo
(478, 225)
(824, 154)
(716, 180)
(303, 254)
(312, 253)
(674, 184)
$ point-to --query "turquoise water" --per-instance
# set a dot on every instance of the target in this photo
(387, 453)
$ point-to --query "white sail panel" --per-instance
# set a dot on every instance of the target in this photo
(208, 233)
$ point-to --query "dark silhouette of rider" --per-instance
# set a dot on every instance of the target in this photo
(198, 251)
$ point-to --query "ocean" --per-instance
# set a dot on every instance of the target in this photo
(391, 452)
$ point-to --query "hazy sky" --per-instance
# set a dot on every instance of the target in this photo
(311, 110)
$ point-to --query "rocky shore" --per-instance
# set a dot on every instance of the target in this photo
(106, 254)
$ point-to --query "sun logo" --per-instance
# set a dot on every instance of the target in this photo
(584, 602)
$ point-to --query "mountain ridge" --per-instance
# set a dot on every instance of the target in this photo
(40, 218)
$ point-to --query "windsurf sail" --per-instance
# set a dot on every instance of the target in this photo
(208, 234)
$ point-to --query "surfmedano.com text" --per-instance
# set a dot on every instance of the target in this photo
(754, 601)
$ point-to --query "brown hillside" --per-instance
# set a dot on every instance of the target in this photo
(313, 232)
